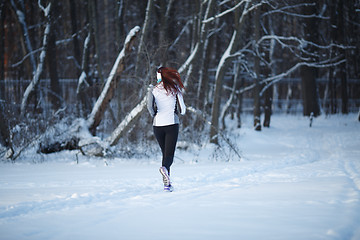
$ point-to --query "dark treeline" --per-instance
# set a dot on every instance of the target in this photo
(227, 51)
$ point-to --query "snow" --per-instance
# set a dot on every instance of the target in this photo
(293, 182)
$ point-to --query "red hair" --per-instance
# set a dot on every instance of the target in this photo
(171, 79)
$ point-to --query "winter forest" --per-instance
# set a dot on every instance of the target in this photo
(268, 147)
(71, 66)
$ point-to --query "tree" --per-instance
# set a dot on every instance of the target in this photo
(266, 70)
(36, 77)
(257, 121)
(74, 30)
(143, 37)
(52, 57)
(2, 44)
(309, 74)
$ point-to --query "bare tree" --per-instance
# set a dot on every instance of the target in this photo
(143, 37)
(22, 20)
(2, 44)
(55, 96)
(39, 69)
(257, 121)
(74, 29)
(309, 74)
(110, 85)
(5, 133)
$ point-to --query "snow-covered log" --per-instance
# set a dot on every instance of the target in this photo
(108, 91)
(40, 66)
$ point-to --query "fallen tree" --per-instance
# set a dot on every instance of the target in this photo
(108, 92)
(74, 137)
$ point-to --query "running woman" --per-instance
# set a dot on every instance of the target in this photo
(164, 102)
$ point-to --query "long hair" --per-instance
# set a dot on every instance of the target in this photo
(171, 80)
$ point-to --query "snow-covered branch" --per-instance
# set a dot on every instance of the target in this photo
(297, 46)
(274, 79)
(301, 43)
(282, 10)
(225, 12)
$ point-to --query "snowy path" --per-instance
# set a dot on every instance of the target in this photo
(294, 182)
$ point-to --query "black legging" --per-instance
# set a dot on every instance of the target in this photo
(167, 138)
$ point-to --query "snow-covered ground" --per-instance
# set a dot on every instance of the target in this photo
(293, 182)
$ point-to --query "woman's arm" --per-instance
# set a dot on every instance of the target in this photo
(181, 103)
(151, 101)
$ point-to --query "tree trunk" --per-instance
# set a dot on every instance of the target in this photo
(164, 30)
(92, 4)
(144, 33)
(232, 95)
(2, 45)
(257, 121)
(266, 70)
(309, 74)
(119, 19)
(83, 83)
(4, 128)
(74, 29)
(51, 57)
(267, 106)
(203, 56)
(309, 91)
(342, 72)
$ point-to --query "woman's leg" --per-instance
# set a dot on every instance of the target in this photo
(167, 138)
(171, 136)
(160, 137)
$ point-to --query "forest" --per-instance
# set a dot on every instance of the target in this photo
(71, 66)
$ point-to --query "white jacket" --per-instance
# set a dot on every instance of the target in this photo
(164, 106)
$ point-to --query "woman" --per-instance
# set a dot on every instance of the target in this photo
(164, 102)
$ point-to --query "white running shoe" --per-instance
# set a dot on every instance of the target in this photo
(165, 175)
